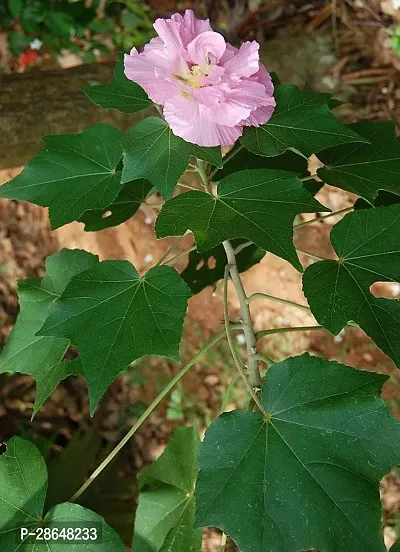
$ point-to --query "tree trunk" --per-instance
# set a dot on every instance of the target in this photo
(50, 102)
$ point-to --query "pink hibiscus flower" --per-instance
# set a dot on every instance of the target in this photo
(209, 90)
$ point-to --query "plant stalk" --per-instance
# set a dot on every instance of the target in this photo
(251, 342)
(287, 330)
(149, 410)
(248, 384)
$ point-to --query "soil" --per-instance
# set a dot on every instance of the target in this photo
(26, 240)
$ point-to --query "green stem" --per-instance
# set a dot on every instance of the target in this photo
(203, 175)
(278, 300)
(251, 342)
(287, 330)
(306, 178)
(169, 250)
(317, 219)
(311, 255)
(176, 257)
(150, 409)
(242, 246)
(231, 153)
(239, 366)
(267, 360)
(187, 186)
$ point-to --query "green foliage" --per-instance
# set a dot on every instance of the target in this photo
(301, 121)
(76, 25)
(39, 356)
(205, 269)
(367, 244)
(114, 317)
(23, 486)
(121, 94)
(165, 514)
(121, 209)
(258, 204)
(152, 151)
(301, 468)
(365, 168)
(277, 484)
(71, 174)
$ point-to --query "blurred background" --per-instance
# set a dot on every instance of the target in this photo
(49, 50)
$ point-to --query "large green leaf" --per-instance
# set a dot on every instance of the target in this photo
(114, 317)
(204, 269)
(23, 486)
(39, 356)
(301, 121)
(152, 151)
(121, 209)
(365, 168)
(71, 174)
(259, 205)
(306, 476)
(121, 94)
(165, 514)
(367, 243)
(244, 159)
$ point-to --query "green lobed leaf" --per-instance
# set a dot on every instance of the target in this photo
(301, 121)
(244, 159)
(367, 243)
(121, 94)
(205, 269)
(363, 169)
(152, 151)
(307, 476)
(121, 209)
(383, 199)
(259, 205)
(39, 356)
(114, 317)
(23, 486)
(72, 174)
(165, 515)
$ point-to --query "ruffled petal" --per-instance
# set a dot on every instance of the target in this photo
(190, 26)
(245, 62)
(190, 120)
(206, 48)
(139, 70)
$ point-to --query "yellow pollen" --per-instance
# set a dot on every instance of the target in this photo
(196, 72)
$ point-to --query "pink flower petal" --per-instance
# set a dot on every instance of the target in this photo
(138, 69)
(246, 60)
(189, 120)
(207, 47)
(190, 26)
(209, 89)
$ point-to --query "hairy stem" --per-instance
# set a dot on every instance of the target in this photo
(149, 410)
(169, 250)
(287, 330)
(311, 255)
(182, 185)
(179, 255)
(277, 300)
(251, 342)
(231, 153)
(317, 219)
(248, 384)
(201, 167)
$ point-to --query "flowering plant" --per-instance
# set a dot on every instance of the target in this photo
(300, 468)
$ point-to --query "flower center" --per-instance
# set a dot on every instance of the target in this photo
(193, 79)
